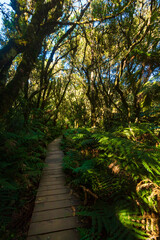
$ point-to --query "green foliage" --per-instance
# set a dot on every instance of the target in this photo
(20, 169)
(122, 169)
(22, 154)
(130, 156)
(71, 160)
(118, 222)
(151, 92)
(112, 64)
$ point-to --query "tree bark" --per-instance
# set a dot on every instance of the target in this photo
(10, 51)
(34, 37)
(9, 94)
(7, 54)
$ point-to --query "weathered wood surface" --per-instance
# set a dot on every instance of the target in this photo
(53, 216)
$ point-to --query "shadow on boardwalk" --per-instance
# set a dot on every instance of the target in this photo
(53, 217)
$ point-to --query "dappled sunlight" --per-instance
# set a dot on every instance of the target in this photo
(119, 198)
(87, 71)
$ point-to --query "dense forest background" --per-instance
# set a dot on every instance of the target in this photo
(91, 67)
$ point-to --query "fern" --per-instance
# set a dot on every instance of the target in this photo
(122, 163)
(21, 165)
(71, 160)
(91, 142)
(118, 221)
(87, 234)
(129, 156)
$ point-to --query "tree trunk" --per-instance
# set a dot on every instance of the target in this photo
(9, 94)
(9, 52)
(34, 36)
(124, 102)
(26, 106)
(93, 114)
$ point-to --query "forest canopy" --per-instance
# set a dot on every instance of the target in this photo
(107, 50)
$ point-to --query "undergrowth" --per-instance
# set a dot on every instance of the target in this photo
(22, 155)
(119, 173)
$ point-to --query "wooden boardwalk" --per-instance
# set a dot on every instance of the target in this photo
(53, 216)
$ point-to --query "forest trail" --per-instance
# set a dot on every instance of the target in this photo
(53, 216)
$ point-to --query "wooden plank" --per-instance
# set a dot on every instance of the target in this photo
(43, 206)
(53, 198)
(52, 149)
(52, 192)
(53, 175)
(51, 187)
(51, 161)
(54, 156)
(45, 179)
(51, 158)
(53, 226)
(47, 173)
(52, 181)
(62, 235)
(54, 170)
(52, 214)
(53, 167)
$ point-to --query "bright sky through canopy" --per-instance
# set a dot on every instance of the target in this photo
(1, 2)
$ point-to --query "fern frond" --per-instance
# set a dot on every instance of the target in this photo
(119, 222)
